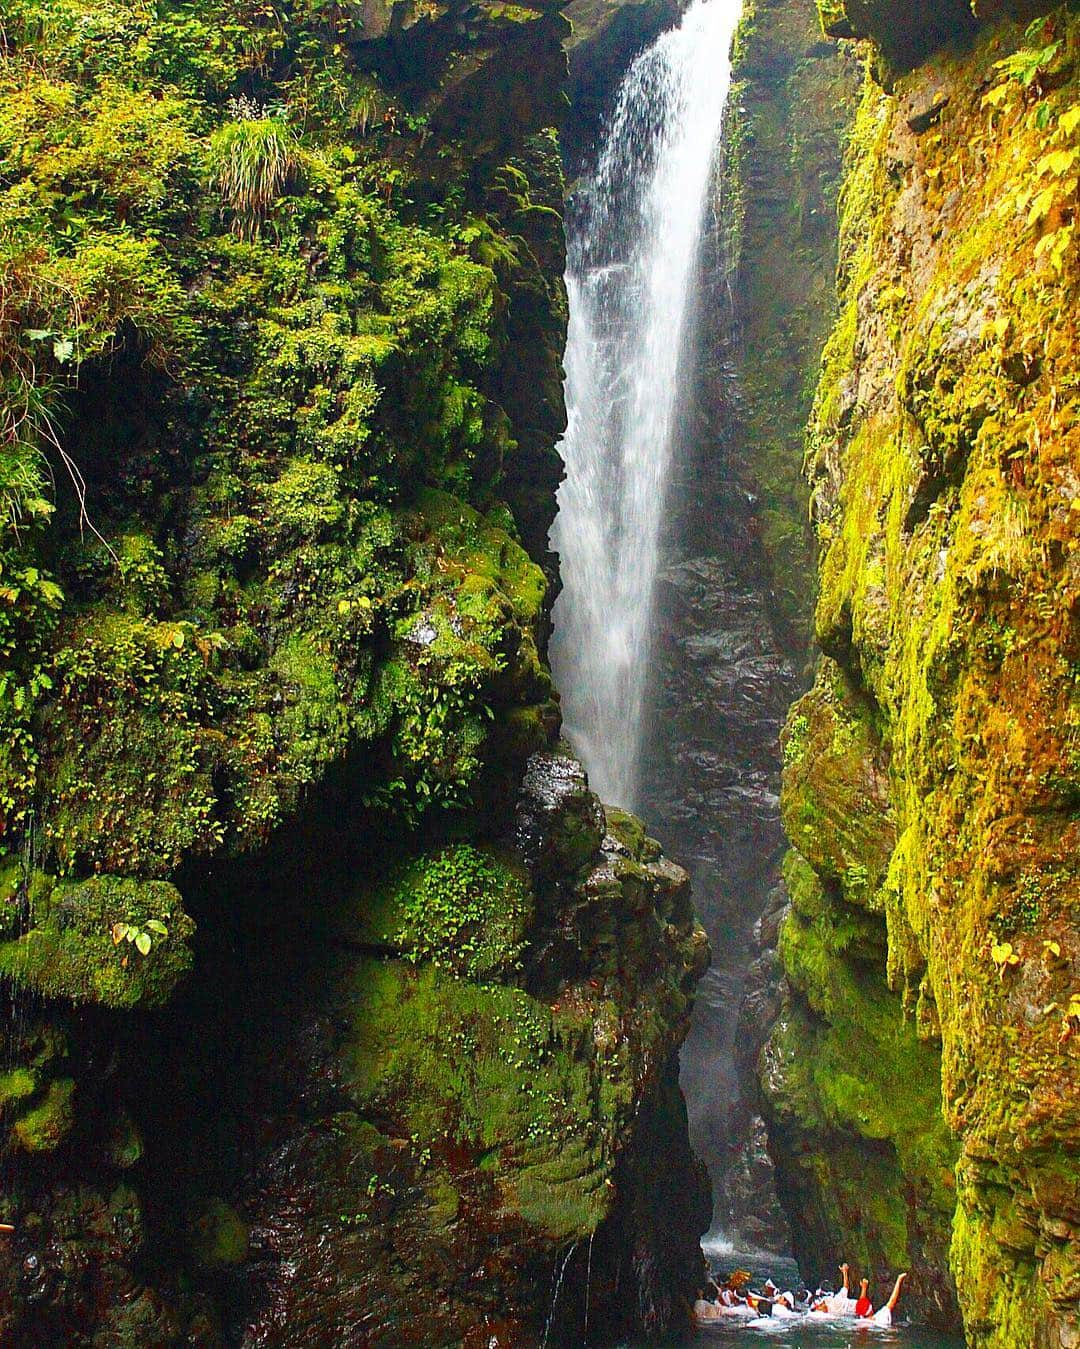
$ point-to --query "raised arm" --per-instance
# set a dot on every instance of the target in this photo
(895, 1298)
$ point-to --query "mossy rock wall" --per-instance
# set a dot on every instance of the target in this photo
(790, 107)
(932, 785)
(280, 392)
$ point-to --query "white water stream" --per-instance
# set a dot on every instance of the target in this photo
(634, 232)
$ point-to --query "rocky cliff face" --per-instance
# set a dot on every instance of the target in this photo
(922, 1078)
(337, 998)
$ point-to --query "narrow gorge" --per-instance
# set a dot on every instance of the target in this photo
(539, 669)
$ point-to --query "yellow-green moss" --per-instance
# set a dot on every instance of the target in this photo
(219, 1236)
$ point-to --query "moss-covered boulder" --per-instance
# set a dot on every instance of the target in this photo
(109, 940)
(480, 1103)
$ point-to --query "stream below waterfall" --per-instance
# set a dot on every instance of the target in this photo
(802, 1335)
(797, 1334)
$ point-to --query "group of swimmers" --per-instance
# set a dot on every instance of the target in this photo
(735, 1298)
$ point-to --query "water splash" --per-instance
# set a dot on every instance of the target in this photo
(634, 230)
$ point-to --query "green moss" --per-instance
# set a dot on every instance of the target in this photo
(488, 1066)
(15, 1086)
(487, 551)
(835, 807)
(305, 502)
(941, 479)
(336, 352)
(219, 1236)
(464, 909)
(316, 719)
(44, 1127)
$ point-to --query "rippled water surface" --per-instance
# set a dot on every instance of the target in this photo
(793, 1335)
(817, 1335)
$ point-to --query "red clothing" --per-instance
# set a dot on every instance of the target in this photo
(864, 1307)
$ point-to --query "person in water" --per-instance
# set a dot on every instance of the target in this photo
(714, 1302)
(883, 1316)
(841, 1303)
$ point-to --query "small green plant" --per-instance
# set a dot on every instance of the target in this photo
(995, 640)
(1004, 955)
(1026, 909)
(139, 936)
(1029, 63)
(461, 909)
(795, 740)
(856, 878)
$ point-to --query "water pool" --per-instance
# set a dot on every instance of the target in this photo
(799, 1334)
(819, 1335)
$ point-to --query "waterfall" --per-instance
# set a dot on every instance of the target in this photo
(634, 229)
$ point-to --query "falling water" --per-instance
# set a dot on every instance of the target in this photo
(634, 230)
(561, 1274)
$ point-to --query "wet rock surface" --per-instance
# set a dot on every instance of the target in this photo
(605, 37)
(454, 1159)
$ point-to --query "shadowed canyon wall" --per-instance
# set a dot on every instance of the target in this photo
(921, 1081)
